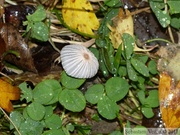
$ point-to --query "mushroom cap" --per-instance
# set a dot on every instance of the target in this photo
(78, 61)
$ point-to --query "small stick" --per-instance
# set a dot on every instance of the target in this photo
(169, 28)
(140, 10)
(10, 121)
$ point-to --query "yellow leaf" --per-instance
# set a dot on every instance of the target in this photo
(123, 23)
(78, 14)
(169, 97)
(7, 93)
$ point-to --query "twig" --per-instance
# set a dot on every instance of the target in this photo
(86, 44)
(170, 34)
(140, 10)
(6, 76)
(53, 45)
(169, 28)
(10, 121)
(11, 2)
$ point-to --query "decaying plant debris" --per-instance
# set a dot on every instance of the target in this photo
(24, 59)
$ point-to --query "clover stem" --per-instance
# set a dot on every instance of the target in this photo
(133, 99)
(120, 119)
(169, 28)
(157, 39)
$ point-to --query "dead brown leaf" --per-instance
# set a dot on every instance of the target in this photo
(14, 41)
(169, 97)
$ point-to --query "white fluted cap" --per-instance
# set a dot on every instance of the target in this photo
(78, 61)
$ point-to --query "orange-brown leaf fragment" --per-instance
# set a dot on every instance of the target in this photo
(169, 97)
(8, 93)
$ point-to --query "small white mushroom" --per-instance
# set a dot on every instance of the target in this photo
(78, 61)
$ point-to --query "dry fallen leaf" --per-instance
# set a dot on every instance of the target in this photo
(7, 93)
(123, 23)
(169, 60)
(169, 97)
(78, 14)
(14, 41)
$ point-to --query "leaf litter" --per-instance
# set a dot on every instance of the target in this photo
(35, 59)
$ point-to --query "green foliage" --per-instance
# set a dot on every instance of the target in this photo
(161, 14)
(72, 100)
(147, 111)
(131, 72)
(166, 13)
(106, 52)
(106, 96)
(152, 67)
(116, 88)
(36, 111)
(116, 133)
(107, 108)
(69, 82)
(112, 3)
(41, 102)
(26, 125)
(38, 15)
(125, 76)
(49, 90)
(128, 43)
(140, 67)
(94, 93)
(17, 118)
(117, 58)
(122, 71)
(136, 68)
(175, 21)
(174, 6)
(54, 132)
(137, 130)
(35, 24)
(148, 102)
(53, 122)
(27, 93)
(30, 126)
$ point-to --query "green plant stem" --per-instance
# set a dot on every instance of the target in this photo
(17, 54)
(120, 119)
(155, 80)
(10, 121)
(135, 116)
(157, 39)
(19, 106)
(133, 99)
(63, 114)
